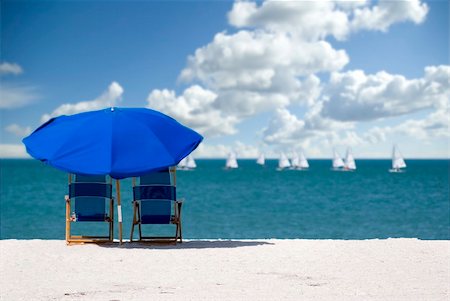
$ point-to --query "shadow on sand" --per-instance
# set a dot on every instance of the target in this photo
(189, 244)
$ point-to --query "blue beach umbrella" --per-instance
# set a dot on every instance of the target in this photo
(120, 142)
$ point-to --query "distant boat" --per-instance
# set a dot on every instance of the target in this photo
(303, 164)
(283, 162)
(231, 161)
(349, 164)
(261, 159)
(295, 161)
(182, 164)
(190, 163)
(397, 160)
(337, 161)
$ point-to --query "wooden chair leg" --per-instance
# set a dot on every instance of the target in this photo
(139, 221)
(67, 219)
(179, 229)
(179, 222)
(111, 220)
(134, 221)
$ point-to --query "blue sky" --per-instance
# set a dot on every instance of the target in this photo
(134, 54)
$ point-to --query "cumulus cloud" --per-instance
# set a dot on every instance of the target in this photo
(314, 20)
(13, 151)
(18, 130)
(273, 65)
(386, 12)
(253, 60)
(355, 96)
(196, 108)
(309, 20)
(434, 125)
(286, 129)
(274, 62)
(108, 98)
(10, 68)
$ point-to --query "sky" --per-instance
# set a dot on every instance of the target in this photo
(251, 77)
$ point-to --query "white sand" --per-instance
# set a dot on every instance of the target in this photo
(392, 269)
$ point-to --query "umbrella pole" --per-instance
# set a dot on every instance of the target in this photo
(119, 210)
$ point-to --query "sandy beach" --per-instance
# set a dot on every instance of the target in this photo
(391, 269)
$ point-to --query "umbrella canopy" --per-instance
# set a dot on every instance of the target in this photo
(120, 142)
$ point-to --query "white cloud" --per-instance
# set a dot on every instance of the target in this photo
(14, 96)
(253, 60)
(434, 125)
(355, 96)
(272, 64)
(315, 20)
(109, 98)
(386, 12)
(284, 128)
(13, 151)
(196, 108)
(315, 134)
(18, 130)
(10, 68)
(309, 20)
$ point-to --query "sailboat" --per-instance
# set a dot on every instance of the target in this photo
(397, 160)
(283, 162)
(303, 164)
(231, 161)
(349, 164)
(190, 162)
(295, 161)
(261, 159)
(337, 161)
(182, 164)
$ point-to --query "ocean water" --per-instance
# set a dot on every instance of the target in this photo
(253, 201)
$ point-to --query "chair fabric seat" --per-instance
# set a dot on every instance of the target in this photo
(90, 209)
(156, 211)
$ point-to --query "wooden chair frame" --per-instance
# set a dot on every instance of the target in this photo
(175, 220)
(81, 239)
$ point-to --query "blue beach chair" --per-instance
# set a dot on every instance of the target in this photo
(155, 202)
(90, 197)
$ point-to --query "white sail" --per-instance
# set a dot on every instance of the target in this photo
(283, 162)
(349, 160)
(295, 160)
(397, 159)
(231, 161)
(337, 161)
(182, 163)
(261, 159)
(303, 162)
(190, 162)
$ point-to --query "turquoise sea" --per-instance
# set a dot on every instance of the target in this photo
(254, 201)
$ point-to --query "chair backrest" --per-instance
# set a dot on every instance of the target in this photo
(162, 177)
(90, 194)
(156, 195)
